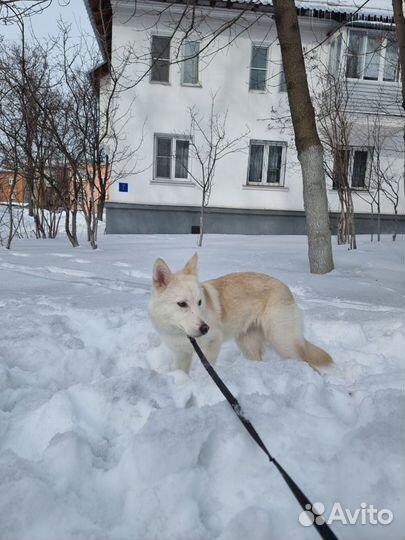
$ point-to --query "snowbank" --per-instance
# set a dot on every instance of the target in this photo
(101, 439)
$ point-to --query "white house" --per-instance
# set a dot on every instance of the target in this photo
(183, 53)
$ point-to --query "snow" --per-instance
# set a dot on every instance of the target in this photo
(101, 438)
(381, 8)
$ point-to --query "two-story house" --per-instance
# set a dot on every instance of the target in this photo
(183, 54)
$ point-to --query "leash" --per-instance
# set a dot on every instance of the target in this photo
(323, 528)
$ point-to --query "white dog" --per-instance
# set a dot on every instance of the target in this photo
(254, 309)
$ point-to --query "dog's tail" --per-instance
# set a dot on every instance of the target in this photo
(315, 356)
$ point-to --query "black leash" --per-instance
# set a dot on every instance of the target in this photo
(323, 529)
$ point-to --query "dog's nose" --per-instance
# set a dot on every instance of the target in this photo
(204, 328)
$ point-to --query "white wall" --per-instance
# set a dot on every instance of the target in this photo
(163, 108)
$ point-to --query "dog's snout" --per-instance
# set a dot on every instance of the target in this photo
(204, 328)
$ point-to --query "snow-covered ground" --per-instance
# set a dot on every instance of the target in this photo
(100, 438)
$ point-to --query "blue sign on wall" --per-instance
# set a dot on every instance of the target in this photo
(123, 187)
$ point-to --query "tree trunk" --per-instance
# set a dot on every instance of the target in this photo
(309, 147)
(93, 231)
(346, 231)
(394, 236)
(71, 233)
(101, 203)
(378, 217)
(11, 223)
(92, 224)
(74, 224)
(200, 238)
(400, 33)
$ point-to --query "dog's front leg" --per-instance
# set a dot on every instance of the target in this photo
(212, 350)
(183, 361)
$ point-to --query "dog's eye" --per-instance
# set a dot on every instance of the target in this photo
(182, 304)
(199, 302)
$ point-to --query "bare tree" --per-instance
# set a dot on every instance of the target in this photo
(11, 217)
(345, 139)
(384, 178)
(308, 144)
(10, 156)
(336, 126)
(98, 157)
(12, 11)
(91, 141)
(74, 126)
(26, 142)
(209, 144)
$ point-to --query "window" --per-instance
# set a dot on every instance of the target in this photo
(266, 162)
(258, 68)
(354, 56)
(372, 57)
(391, 61)
(335, 56)
(359, 169)
(190, 73)
(351, 166)
(171, 157)
(160, 59)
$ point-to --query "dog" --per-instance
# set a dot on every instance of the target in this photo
(256, 310)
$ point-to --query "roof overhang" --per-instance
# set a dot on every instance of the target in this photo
(100, 15)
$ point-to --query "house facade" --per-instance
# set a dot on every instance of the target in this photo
(12, 188)
(221, 61)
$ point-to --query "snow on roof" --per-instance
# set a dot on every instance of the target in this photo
(372, 7)
(379, 8)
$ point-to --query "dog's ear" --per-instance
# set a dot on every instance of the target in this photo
(161, 274)
(191, 266)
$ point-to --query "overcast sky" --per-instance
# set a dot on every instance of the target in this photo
(46, 23)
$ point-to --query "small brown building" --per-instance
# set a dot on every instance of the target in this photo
(12, 187)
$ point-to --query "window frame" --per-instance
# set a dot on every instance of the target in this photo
(151, 80)
(267, 144)
(337, 51)
(352, 149)
(362, 54)
(367, 171)
(260, 45)
(173, 148)
(197, 57)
